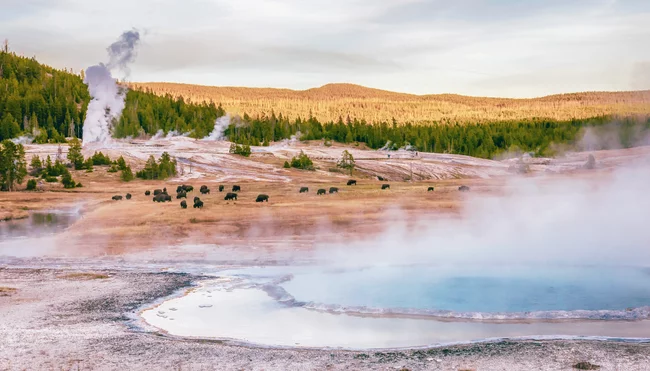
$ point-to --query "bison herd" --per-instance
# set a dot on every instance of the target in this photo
(161, 195)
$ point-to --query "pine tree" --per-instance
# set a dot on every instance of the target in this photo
(74, 154)
(346, 161)
(13, 167)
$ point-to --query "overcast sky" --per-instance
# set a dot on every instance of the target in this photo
(488, 48)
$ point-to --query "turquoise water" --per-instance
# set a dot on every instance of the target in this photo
(497, 289)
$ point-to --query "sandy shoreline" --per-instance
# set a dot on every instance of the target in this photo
(89, 324)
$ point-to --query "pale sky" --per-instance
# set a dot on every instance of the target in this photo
(484, 48)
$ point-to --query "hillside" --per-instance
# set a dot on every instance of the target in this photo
(329, 102)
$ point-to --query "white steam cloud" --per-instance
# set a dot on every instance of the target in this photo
(542, 220)
(220, 126)
(107, 96)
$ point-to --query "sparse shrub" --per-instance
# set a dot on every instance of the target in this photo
(286, 165)
(67, 181)
(99, 159)
(88, 165)
(31, 185)
(302, 161)
(127, 174)
(51, 179)
(113, 169)
(242, 150)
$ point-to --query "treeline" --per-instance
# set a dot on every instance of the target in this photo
(484, 140)
(146, 113)
(39, 100)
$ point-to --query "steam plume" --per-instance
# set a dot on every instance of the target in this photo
(107, 96)
(220, 127)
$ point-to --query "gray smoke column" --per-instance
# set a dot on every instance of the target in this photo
(107, 96)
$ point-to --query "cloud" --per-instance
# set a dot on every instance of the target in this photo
(468, 46)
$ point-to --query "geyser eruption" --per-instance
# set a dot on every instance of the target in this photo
(220, 126)
(107, 96)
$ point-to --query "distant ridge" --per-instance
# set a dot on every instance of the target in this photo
(331, 101)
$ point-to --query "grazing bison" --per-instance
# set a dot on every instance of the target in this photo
(128, 196)
(321, 192)
(221, 187)
(385, 186)
(334, 190)
(262, 198)
(230, 196)
(117, 198)
(156, 192)
(304, 189)
(381, 178)
(162, 197)
(181, 194)
(147, 193)
(184, 204)
(179, 189)
(188, 188)
(198, 204)
(236, 188)
(430, 189)
(205, 190)
(196, 198)
(463, 188)
(352, 182)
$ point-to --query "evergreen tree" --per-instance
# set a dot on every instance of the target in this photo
(346, 161)
(13, 167)
(74, 154)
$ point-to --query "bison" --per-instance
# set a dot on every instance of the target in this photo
(162, 197)
(304, 189)
(196, 198)
(334, 190)
(430, 189)
(156, 192)
(198, 204)
(128, 196)
(236, 188)
(385, 186)
(188, 188)
(181, 194)
(117, 198)
(184, 204)
(262, 198)
(321, 192)
(381, 178)
(147, 193)
(205, 191)
(230, 196)
(179, 189)
(352, 182)
(463, 188)
(221, 187)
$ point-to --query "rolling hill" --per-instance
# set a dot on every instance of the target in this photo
(329, 102)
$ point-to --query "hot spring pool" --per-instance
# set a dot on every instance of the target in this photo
(407, 306)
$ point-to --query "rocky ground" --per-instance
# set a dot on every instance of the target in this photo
(71, 320)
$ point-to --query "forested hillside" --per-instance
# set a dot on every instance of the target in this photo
(49, 104)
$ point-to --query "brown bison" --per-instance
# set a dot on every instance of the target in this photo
(184, 204)
(128, 196)
(147, 193)
(430, 189)
(262, 198)
(334, 190)
(221, 187)
(117, 198)
(463, 188)
(304, 189)
(352, 182)
(230, 196)
(198, 204)
(181, 194)
(385, 186)
(156, 192)
(321, 191)
(236, 188)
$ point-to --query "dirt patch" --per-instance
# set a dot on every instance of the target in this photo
(7, 291)
(83, 276)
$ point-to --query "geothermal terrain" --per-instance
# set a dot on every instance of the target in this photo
(70, 299)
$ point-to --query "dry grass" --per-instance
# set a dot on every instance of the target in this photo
(7, 291)
(13, 214)
(83, 276)
(332, 101)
